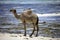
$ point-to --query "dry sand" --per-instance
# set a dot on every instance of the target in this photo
(8, 36)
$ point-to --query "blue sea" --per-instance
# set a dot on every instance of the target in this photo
(6, 16)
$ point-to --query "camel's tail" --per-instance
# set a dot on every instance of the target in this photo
(37, 24)
(37, 21)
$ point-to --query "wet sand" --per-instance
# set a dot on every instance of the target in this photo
(8, 36)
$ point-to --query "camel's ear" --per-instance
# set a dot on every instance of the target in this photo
(10, 10)
(14, 10)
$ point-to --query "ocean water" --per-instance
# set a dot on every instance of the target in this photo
(7, 16)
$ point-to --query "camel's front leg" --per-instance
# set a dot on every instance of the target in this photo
(24, 28)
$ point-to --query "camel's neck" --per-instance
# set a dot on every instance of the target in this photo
(15, 14)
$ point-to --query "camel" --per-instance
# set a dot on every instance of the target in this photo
(27, 17)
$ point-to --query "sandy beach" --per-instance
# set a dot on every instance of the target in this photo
(8, 36)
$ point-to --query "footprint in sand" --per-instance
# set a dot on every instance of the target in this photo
(20, 36)
(50, 39)
(13, 35)
(26, 38)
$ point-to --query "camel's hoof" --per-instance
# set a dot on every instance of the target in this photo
(36, 36)
(24, 35)
(30, 36)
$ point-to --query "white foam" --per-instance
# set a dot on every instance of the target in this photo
(18, 7)
(52, 14)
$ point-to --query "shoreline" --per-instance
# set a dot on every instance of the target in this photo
(8, 36)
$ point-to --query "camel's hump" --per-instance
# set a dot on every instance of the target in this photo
(31, 15)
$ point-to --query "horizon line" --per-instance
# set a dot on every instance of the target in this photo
(35, 2)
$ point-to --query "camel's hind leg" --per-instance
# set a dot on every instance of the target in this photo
(33, 30)
(37, 30)
(37, 26)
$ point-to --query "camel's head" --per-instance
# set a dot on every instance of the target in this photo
(13, 10)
